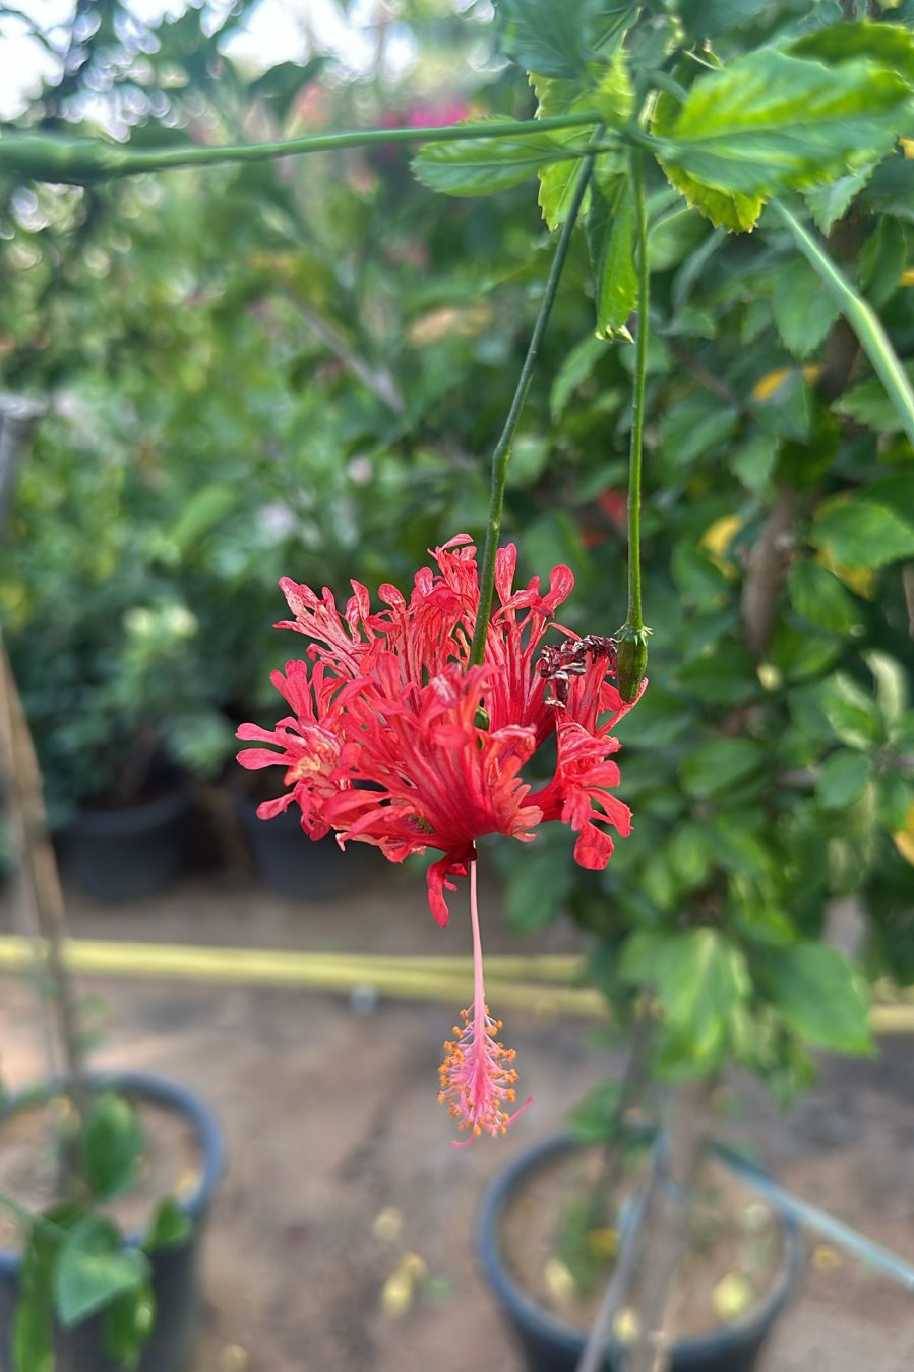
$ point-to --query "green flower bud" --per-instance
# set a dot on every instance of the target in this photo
(631, 659)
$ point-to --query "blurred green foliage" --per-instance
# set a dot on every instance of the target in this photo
(299, 367)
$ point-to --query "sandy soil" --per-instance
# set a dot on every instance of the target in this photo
(339, 1164)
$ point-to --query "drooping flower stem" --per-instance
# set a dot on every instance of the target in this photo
(502, 451)
(633, 635)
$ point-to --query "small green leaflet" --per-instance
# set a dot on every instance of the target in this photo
(802, 312)
(482, 166)
(828, 204)
(868, 404)
(770, 121)
(613, 224)
(610, 95)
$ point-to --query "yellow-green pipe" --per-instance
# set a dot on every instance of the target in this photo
(512, 981)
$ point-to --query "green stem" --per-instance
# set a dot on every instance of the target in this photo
(82, 161)
(502, 451)
(860, 316)
(634, 619)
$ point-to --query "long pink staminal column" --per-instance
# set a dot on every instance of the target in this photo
(477, 1074)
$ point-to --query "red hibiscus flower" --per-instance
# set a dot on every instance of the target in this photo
(396, 740)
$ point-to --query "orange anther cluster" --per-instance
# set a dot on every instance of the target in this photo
(476, 1077)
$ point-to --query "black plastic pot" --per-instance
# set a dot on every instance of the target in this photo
(291, 864)
(175, 1270)
(550, 1345)
(129, 853)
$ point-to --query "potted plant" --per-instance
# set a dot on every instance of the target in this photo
(129, 713)
(448, 715)
(97, 1271)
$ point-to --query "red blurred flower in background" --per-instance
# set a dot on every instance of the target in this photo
(396, 740)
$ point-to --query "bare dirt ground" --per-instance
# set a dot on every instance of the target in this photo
(331, 1119)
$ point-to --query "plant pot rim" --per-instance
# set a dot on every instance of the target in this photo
(161, 1091)
(115, 820)
(544, 1324)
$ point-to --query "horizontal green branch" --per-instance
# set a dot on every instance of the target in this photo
(85, 161)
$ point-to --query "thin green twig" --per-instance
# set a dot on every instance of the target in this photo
(502, 451)
(85, 161)
(860, 315)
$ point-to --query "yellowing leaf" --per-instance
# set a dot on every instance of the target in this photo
(860, 580)
(904, 837)
(717, 539)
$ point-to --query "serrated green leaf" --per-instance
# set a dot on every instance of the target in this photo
(616, 277)
(819, 596)
(820, 996)
(842, 778)
(868, 404)
(482, 166)
(711, 18)
(861, 533)
(770, 121)
(557, 40)
(890, 45)
(727, 210)
(611, 97)
(802, 313)
(111, 1145)
(93, 1268)
(828, 204)
(713, 767)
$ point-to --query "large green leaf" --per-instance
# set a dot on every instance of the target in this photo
(555, 39)
(819, 596)
(111, 1145)
(802, 313)
(726, 209)
(820, 996)
(93, 1268)
(701, 978)
(481, 166)
(770, 121)
(862, 533)
(891, 45)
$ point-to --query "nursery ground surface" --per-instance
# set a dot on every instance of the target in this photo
(339, 1164)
